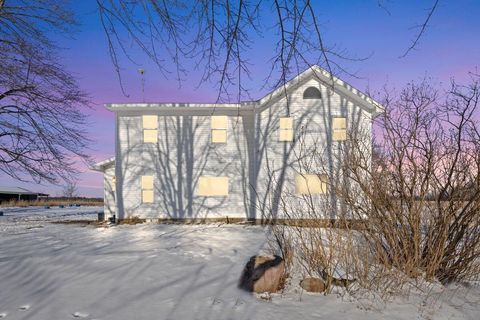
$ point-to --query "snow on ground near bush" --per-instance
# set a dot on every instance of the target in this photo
(60, 271)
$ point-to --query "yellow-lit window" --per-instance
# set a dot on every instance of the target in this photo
(339, 129)
(310, 184)
(219, 129)
(285, 132)
(114, 183)
(212, 186)
(147, 189)
(150, 128)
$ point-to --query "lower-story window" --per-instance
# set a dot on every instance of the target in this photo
(147, 189)
(212, 186)
(311, 184)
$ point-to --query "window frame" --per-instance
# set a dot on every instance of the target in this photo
(285, 129)
(114, 183)
(150, 128)
(339, 128)
(314, 94)
(319, 187)
(218, 129)
(216, 186)
(147, 184)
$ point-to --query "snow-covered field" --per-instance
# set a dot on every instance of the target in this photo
(68, 271)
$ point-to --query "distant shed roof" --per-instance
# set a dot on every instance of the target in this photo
(17, 190)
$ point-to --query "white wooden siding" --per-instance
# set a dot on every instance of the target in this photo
(184, 152)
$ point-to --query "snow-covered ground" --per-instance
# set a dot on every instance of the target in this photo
(68, 271)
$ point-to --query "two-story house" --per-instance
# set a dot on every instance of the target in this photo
(190, 160)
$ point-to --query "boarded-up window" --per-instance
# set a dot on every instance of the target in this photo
(150, 128)
(285, 132)
(339, 129)
(147, 189)
(212, 186)
(310, 184)
(219, 129)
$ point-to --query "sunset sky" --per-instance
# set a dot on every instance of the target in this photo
(449, 48)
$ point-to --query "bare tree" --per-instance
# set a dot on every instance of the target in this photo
(70, 190)
(219, 35)
(41, 120)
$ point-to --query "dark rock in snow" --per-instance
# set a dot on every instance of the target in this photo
(262, 274)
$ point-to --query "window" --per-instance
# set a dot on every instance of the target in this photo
(312, 93)
(310, 184)
(339, 129)
(285, 132)
(147, 189)
(212, 186)
(150, 129)
(219, 129)
(114, 183)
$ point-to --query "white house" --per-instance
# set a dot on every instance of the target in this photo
(189, 160)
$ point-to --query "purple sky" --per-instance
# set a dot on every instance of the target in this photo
(450, 48)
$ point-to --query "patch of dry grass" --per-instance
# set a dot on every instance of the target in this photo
(52, 202)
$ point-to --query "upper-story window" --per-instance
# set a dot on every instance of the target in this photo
(219, 129)
(285, 132)
(150, 128)
(312, 93)
(339, 129)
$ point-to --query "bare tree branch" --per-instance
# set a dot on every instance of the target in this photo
(423, 29)
(41, 123)
(218, 36)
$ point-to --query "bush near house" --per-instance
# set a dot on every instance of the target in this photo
(418, 199)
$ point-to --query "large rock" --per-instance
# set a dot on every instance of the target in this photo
(313, 285)
(263, 274)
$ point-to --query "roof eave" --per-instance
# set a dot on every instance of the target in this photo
(118, 107)
(102, 165)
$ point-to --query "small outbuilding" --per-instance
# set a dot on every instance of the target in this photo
(17, 193)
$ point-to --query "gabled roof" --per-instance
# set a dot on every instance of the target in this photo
(314, 72)
(102, 165)
(338, 85)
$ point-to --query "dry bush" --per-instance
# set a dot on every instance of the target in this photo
(313, 246)
(339, 256)
(421, 197)
(415, 202)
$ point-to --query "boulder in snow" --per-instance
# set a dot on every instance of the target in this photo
(313, 285)
(262, 274)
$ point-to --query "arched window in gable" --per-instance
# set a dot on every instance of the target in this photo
(312, 93)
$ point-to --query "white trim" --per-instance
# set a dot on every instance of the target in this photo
(314, 71)
(102, 165)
